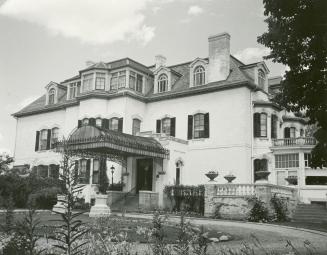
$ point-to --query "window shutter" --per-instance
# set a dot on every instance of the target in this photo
(120, 125)
(49, 139)
(76, 172)
(88, 167)
(105, 123)
(190, 127)
(172, 126)
(92, 121)
(158, 126)
(206, 125)
(79, 124)
(273, 126)
(256, 124)
(287, 132)
(37, 138)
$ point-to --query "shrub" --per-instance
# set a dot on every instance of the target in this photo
(280, 208)
(81, 205)
(44, 198)
(259, 211)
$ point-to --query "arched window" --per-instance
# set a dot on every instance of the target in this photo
(179, 165)
(98, 122)
(52, 93)
(199, 76)
(261, 79)
(114, 124)
(162, 83)
(136, 126)
(260, 165)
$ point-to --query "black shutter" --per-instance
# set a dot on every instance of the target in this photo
(49, 139)
(256, 124)
(76, 172)
(190, 127)
(37, 138)
(206, 125)
(273, 126)
(79, 124)
(92, 122)
(172, 126)
(120, 125)
(105, 123)
(158, 126)
(88, 167)
(287, 132)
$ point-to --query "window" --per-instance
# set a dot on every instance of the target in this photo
(292, 132)
(260, 165)
(114, 124)
(83, 168)
(114, 81)
(132, 80)
(139, 83)
(52, 93)
(316, 180)
(136, 126)
(121, 79)
(178, 172)
(261, 79)
(165, 126)
(162, 83)
(54, 136)
(85, 121)
(307, 159)
(289, 132)
(96, 169)
(87, 82)
(287, 160)
(199, 76)
(73, 90)
(98, 122)
(100, 81)
(43, 139)
(260, 124)
(198, 125)
(274, 123)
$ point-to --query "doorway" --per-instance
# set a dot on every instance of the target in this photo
(144, 174)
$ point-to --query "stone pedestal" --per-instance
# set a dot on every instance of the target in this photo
(148, 200)
(60, 207)
(100, 209)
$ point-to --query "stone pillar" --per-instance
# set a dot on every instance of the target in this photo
(60, 207)
(210, 191)
(148, 200)
(100, 209)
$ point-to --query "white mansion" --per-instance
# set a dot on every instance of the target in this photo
(172, 124)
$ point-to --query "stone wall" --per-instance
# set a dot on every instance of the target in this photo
(230, 201)
(114, 196)
(148, 200)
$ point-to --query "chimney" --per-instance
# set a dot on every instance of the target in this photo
(160, 61)
(219, 57)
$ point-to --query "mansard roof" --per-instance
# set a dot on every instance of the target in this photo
(237, 77)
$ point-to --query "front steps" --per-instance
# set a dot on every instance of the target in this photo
(311, 213)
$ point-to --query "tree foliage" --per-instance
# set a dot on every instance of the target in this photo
(297, 37)
(5, 161)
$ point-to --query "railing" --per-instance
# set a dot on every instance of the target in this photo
(294, 141)
(245, 190)
(235, 190)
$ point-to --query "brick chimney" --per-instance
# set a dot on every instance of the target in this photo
(219, 57)
(160, 60)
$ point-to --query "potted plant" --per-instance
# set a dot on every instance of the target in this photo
(292, 180)
(230, 178)
(212, 175)
(262, 175)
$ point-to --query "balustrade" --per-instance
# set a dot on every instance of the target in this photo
(294, 141)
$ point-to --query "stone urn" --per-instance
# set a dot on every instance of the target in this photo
(230, 178)
(212, 175)
(262, 176)
(60, 207)
(100, 208)
(292, 180)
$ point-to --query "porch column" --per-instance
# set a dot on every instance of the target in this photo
(91, 172)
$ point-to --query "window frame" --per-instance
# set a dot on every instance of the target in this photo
(136, 128)
(97, 121)
(111, 124)
(165, 126)
(199, 74)
(287, 160)
(100, 81)
(261, 78)
(54, 136)
(197, 129)
(263, 124)
(52, 96)
(43, 141)
(73, 90)
(88, 82)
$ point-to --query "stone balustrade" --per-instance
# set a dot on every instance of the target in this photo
(300, 141)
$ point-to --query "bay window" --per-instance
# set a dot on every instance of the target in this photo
(73, 90)
(100, 81)
(87, 82)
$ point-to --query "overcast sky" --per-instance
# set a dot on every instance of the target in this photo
(50, 40)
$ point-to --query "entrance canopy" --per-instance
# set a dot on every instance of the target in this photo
(98, 142)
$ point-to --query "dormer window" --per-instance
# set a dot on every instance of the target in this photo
(199, 76)
(52, 93)
(87, 82)
(261, 79)
(118, 80)
(100, 81)
(73, 89)
(162, 83)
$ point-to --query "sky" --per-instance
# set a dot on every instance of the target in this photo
(51, 40)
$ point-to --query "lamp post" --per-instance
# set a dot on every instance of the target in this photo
(112, 176)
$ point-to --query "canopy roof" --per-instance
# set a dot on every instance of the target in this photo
(96, 141)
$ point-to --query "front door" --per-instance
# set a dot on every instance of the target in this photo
(144, 174)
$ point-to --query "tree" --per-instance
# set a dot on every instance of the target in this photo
(297, 37)
(5, 160)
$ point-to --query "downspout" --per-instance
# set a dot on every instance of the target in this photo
(252, 138)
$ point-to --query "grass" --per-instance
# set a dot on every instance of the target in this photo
(307, 225)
